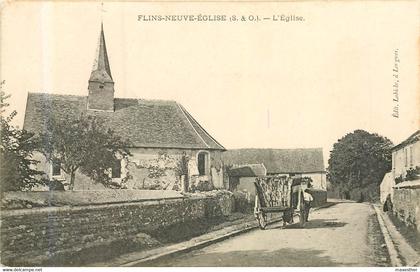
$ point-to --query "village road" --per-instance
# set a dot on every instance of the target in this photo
(346, 234)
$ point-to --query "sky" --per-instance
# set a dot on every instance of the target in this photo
(265, 84)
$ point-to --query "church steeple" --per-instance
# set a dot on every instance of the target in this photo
(101, 70)
(101, 84)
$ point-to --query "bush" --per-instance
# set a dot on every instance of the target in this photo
(242, 202)
(202, 186)
(399, 179)
(413, 173)
(55, 185)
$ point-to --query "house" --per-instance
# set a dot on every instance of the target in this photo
(161, 134)
(406, 156)
(405, 160)
(403, 182)
(242, 177)
(306, 162)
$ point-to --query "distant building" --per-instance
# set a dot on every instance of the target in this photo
(305, 162)
(161, 133)
(242, 177)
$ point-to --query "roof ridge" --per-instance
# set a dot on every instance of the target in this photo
(126, 98)
(55, 94)
(149, 100)
(407, 140)
(269, 148)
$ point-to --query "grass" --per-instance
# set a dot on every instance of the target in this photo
(411, 235)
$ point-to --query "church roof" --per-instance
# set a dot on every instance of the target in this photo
(278, 161)
(145, 123)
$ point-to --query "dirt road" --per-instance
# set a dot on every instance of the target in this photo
(346, 234)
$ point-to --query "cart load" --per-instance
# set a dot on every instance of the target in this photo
(280, 194)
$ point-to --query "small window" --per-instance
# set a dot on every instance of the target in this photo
(411, 156)
(56, 167)
(202, 163)
(116, 169)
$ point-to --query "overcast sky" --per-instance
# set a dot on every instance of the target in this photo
(250, 84)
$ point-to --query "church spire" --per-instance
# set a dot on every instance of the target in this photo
(101, 70)
(101, 84)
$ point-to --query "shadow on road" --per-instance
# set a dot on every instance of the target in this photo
(316, 224)
(284, 257)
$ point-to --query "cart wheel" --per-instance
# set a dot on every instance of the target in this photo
(302, 213)
(262, 220)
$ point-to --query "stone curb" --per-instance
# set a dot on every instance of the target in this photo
(406, 255)
(393, 254)
(172, 250)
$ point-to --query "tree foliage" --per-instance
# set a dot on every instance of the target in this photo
(83, 144)
(359, 159)
(17, 171)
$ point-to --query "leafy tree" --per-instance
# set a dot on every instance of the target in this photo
(83, 144)
(16, 163)
(358, 160)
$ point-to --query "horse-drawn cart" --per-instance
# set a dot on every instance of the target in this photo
(280, 194)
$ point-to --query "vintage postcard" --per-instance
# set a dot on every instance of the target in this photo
(210, 134)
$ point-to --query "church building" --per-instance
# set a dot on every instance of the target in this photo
(162, 134)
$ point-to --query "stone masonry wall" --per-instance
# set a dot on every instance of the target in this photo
(407, 206)
(33, 236)
(148, 169)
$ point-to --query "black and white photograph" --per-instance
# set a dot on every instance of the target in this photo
(144, 134)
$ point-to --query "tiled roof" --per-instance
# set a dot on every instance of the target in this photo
(145, 123)
(277, 161)
(248, 170)
(412, 139)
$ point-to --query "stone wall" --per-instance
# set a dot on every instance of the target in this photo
(406, 206)
(150, 169)
(19, 200)
(34, 236)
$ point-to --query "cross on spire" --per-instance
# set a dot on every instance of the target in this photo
(102, 11)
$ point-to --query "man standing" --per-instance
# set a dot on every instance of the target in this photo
(307, 198)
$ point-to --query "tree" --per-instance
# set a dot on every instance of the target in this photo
(83, 144)
(358, 160)
(16, 164)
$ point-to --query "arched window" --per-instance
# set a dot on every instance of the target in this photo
(56, 167)
(203, 163)
(116, 169)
